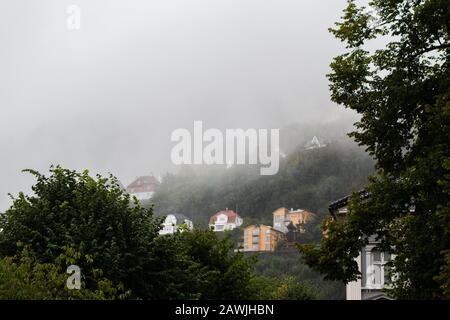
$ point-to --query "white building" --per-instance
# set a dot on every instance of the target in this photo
(143, 188)
(225, 220)
(371, 262)
(315, 143)
(173, 222)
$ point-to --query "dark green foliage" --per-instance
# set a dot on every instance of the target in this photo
(114, 237)
(402, 92)
(284, 267)
(92, 215)
(24, 277)
(223, 274)
(287, 288)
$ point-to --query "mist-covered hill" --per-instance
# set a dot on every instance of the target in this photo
(307, 179)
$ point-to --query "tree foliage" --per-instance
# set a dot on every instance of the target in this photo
(401, 91)
(111, 235)
(24, 277)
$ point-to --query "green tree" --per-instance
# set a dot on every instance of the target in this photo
(282, 288)
(221, 273)
(100, 221)
(24, 277)
(73, 218)
(401, 91)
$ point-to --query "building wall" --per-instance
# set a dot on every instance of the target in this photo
(353, 289)
(261, 238)
(371, 264)
(222, 223)
(171, 225)
(143, 195)
(372, 282)
(279, 217)
(282, 217)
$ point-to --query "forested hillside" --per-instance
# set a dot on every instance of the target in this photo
(308, 179)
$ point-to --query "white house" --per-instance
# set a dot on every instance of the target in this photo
(225, 220)
(143, 188)
(315, 143)
(173, 222)
(371, 262)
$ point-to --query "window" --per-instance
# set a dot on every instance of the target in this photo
(256, 232)
(267, 246)
(380, 272)
(255, 239)
(267, 239)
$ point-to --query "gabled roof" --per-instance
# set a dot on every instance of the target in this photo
(343, 202)
(257, 225)
(229, 213)
(315, 143)
(144, 184)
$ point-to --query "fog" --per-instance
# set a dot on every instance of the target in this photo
(107, 97)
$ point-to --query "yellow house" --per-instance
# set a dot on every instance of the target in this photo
(279, 219)
(282, 217)
(261, 238)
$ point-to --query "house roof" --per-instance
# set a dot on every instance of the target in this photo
(315, 142)
(229, 213)
(282, 209)
(143, 184)
(302, 212)
(343, 202)
(180, 217)
(257, 225)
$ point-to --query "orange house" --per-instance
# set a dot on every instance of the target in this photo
(261, 238)
(282, 217)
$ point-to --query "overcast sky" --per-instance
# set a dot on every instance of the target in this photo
(108, 96)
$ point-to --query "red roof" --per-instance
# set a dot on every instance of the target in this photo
(143, 184)
(230, 213)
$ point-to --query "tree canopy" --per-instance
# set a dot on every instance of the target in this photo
(115, 241)
(396, 75)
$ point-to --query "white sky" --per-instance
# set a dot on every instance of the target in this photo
(108, 96)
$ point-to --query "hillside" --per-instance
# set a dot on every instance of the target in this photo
(308, 179)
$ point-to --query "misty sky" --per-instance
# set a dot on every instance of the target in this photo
(108, 96)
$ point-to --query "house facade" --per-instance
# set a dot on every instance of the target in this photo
(225, 220)
(258, 238)
(173, 222)
(371, 262)
(283, 217)
(143, 188)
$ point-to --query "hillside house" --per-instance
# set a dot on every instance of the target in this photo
(260, 238)
(283, 217)
(173, 222)
(371, 262)
(143, 188)
(225, 220)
